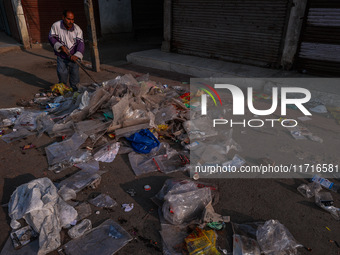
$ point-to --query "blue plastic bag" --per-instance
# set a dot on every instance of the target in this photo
(143, 141)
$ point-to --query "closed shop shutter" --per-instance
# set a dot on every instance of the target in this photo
(41, 14)
(319, 51)
(246, 31)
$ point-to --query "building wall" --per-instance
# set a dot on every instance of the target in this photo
(115, 16)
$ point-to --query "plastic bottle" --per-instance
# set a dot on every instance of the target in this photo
(326, 183)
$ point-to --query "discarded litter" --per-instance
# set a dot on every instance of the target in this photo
(103, 201)
(127, 207)
(80, 229)
(99, 241)
(147, 187)
(23, 236)
(202, 241)
(39, 203)
(309, 190)
(107, 153)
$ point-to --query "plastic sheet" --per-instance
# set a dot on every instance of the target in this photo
(309, 190)
(17, 135)
(103, 201)
(66, 153)
(80, 229)
(185, 203)
(274, 238)
(99, 241)
(62, 129)
(107, 153)
(38, 202)
(9, 115)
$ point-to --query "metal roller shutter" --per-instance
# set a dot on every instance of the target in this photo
(246, 31)
(319, 51)
(41, 14)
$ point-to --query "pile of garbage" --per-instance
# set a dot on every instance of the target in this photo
(125, 115)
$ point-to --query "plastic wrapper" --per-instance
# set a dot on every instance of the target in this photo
(65, 153)
(146, 163)
(202, 241)
(99, 241)
(103, 201)
(185, 203)
(81, 180)
(325, 201)
(165, 114)
(80, 229)
(9, 115)
(274, 238)
(62, 129)
(97, 99)
(93, 128)
(85, 100)
(17, 135)
(118, 111)
(44, 123)
(40, 205)
(107, 153)
(27, 120)
(309, 190)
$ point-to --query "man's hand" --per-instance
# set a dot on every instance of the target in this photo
(65, 50)
(74, 58)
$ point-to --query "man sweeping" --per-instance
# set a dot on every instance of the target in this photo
(67, 41)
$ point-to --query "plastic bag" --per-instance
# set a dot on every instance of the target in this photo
(184, 203)
(104, 201)
(274, 238)
(40, 205)
(9, 115)
(66, 153)
(146, 163)
(325, 201)
(143, 141)
(201, 242)
(27, 120)
(81, 180)
(44, 123)
(309, 190)
(80, 229)
(99, 241)
(107, 153)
